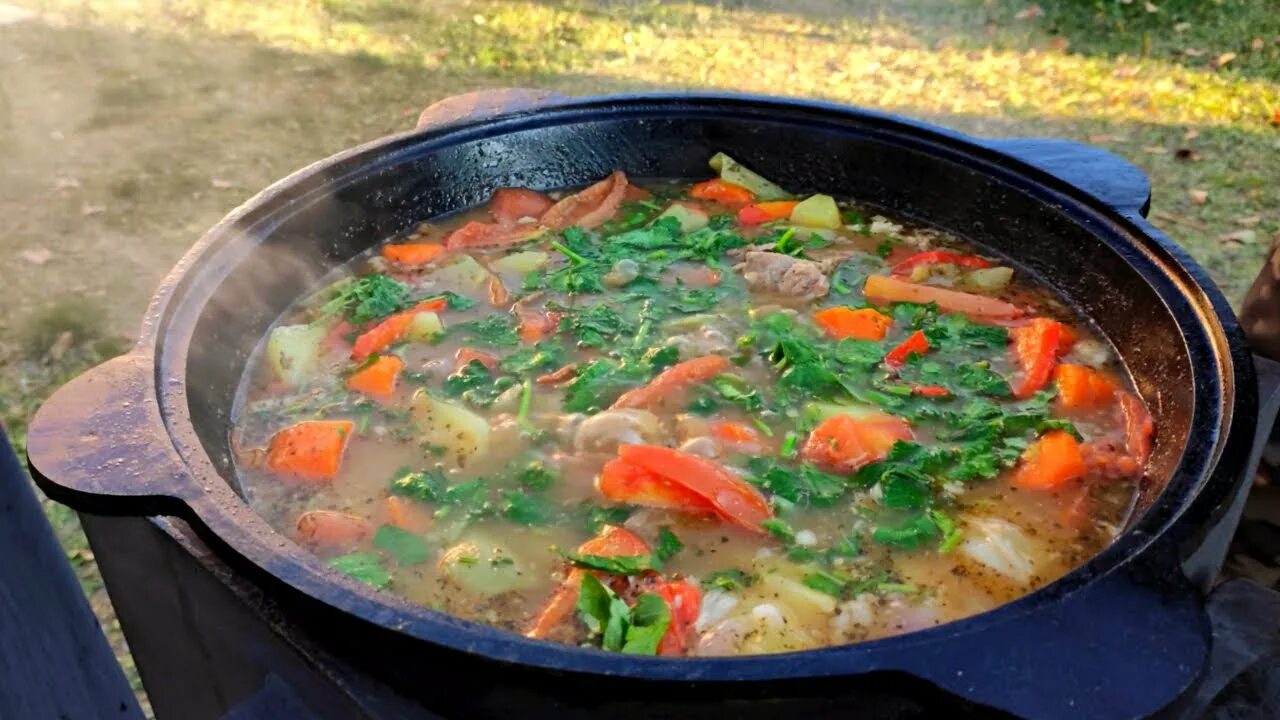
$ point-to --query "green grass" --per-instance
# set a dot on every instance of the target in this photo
(130, 127)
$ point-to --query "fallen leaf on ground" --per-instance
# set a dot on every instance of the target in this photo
(1190, 134)
(60, 346)
(1248, 220)
(1170, 217)
(1224, 58)
(1186, 155)
(1154, 149)
(1182, 27)
(36, 255)
(1029, 12)
(1151, 7)
(1244, 237)
(1193, 52)
(1198, 197)
(1257, 44)
(1105, 138)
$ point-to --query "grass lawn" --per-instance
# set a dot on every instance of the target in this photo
(129, 127)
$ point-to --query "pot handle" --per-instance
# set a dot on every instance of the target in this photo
(483, 104)
(1108, 177)
(99, 444)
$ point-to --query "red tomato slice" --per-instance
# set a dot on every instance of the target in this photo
(511, 204)
(733, 498)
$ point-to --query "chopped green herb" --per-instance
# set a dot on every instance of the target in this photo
(613, 564)
(668, 545)
(363, 566)
(728, 580)
(525, 509)
(598, 517)
(493, 331)
(406, 547)
(368, 298)
(427, 486)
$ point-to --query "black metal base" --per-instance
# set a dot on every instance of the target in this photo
(210, 645)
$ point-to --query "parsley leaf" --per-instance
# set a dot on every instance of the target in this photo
(406, 547)
(494, 330)
(913, 532)
(668, 545)
(613, 564)
(474, 382)
(363, 566)
(597, 326)
(650, 618)
(428, 486)
(525, 509)
(728, 580)
(367, 298)
(636, 630)
(545, 355)
(598, 517)
(801, 485)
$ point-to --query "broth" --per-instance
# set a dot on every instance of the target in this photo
(704, 419)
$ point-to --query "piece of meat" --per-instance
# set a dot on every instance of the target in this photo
(785, 275)
(1110, 460)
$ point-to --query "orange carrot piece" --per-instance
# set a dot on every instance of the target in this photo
(563, 374)
(498, 295)
(390, 330)
(845, 443)
(381, 336)
(1035, 347)
(406, 515)
(930, 391)
(465, 355)
(725, 193)
(778, 209)
(1138, 427)
(915, 344)
(613, 541)
(1052, 462)
(310, 450)
(843, 322)
(414, 254)
(624, 482)
(434, 305)
(883, 289)
(378, 379)
(734, 499)
(1082, 388)
(674, 379)
(736, 432)
(536, 324)
(511, 204)
(332, 529)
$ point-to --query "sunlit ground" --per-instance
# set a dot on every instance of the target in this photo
(126, 128)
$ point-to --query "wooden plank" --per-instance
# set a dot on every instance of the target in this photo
(54, 660)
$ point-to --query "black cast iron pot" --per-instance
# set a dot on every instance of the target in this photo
(1124, 635)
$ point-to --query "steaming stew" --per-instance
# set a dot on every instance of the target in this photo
(706, 419)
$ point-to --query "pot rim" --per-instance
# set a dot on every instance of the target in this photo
(170, 322)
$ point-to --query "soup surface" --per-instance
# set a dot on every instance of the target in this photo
(714, 419)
